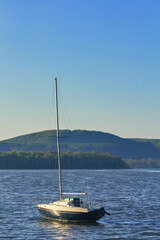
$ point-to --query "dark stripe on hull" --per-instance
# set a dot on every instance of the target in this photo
(91, 216)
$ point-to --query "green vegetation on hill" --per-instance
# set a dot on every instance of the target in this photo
(154, 142)
(84, 141)
(48, 160)
(143, 163)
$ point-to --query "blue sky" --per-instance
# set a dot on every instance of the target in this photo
(105, 54)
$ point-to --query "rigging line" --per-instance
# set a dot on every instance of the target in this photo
(65, 114)
(67, 119)
(51, 124)
(64, 110)
(51, 111)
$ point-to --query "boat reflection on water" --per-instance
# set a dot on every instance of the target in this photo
(62, 230)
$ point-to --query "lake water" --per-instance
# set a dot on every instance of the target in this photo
(131, 196)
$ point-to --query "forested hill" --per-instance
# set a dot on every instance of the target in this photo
(84, 141)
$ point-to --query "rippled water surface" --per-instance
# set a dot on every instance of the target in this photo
(131, 196)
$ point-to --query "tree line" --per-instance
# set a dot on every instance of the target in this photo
(48, 160)
(144, 163)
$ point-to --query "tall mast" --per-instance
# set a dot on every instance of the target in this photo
(58, 145)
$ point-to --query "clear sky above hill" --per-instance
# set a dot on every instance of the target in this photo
(105, 54)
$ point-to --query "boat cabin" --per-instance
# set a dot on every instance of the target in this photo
(76, 202)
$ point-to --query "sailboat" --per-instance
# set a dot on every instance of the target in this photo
(73, 208)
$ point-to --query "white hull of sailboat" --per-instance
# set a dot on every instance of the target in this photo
(70, 214)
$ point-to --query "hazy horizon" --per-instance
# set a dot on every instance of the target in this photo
(105, 55)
